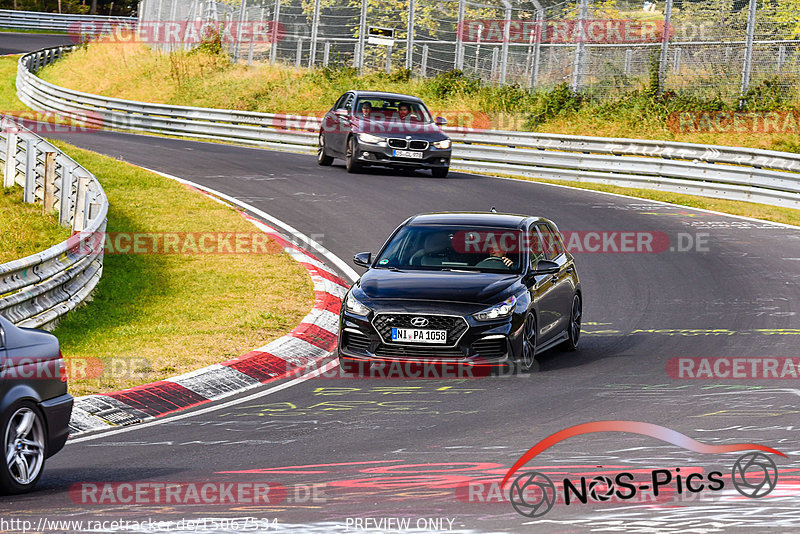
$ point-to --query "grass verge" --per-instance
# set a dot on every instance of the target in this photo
(23, 228)
(157, 315)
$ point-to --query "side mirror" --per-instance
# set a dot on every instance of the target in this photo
(363, 259)
(546, 267)
(341, 112)
(441, 121)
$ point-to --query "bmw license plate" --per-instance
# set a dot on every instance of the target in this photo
(407, 154)
(416, 335)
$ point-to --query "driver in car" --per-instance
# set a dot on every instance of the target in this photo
(496, 257)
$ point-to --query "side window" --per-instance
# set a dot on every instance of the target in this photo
(535, 250)
(558, 242)
(340, 103)
(348, 103)
(551, 246)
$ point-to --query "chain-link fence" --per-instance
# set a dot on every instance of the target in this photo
(704, 47)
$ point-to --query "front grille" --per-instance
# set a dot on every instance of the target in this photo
(455, 326)
(398, 351)
(398, 143)
(490, 348)
(356, 342)
(418, 145)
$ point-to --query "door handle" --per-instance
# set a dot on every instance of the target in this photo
(554, 278)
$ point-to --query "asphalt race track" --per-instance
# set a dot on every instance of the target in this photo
(346, 449)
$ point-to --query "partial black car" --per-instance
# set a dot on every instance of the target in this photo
(386, 129)
(480, 289)
(34, 404)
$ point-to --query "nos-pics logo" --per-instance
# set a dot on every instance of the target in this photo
(533, 494)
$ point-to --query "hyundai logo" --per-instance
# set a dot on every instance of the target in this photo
(419, 322)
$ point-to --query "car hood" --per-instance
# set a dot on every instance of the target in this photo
(477, 288)
(389, 128)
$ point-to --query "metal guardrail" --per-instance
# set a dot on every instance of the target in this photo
(735, 173)
(62, 22)
(37, 290)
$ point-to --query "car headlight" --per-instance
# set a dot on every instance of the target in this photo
(354, 305)
(498, 311)
(445, 144)
(371, 139)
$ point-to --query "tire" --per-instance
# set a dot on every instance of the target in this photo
(353, 166)
(574, 328)
(440, 172)
(322, 155)
(23, 431)
(528, 362)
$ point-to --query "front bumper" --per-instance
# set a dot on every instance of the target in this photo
(481, 344)
(432, 157)
(57, 412)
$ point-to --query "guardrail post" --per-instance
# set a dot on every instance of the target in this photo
(30, 171)
(424, 65)
(10, 170)
(79, 217)
(65, 197)
(49, 195)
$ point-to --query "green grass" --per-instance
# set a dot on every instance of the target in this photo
(157, 315)
(23, 228)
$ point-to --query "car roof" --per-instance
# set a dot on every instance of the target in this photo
(381, 94)
(476, 218)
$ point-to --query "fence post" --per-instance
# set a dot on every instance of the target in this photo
(388, 68)
(273, 46)
(460, 37)
(495, 56)
(410, 36)
(506, 32)
(79, 217)
(30, 171)
(781, 56)
(49, 195)
(676, 61)
(65, 196)
(326, 53)
(628, 57)
(478, 47)
(237, 46)
(299, 52)
(362, 31)
(662, 62)
(10, 170)
(312, 56)
(424, 66)
(537, 46)
(748, 50)
(580, 50)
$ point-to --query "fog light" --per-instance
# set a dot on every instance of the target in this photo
(365, 154)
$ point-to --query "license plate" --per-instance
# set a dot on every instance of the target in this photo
(416, 335)
(407, 154)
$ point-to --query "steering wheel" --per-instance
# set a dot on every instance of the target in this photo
(500, 259)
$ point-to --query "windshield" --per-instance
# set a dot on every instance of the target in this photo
(382, 109)
(454, 248)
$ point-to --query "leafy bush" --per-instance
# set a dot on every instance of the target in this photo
(451, 83)
(551, 104)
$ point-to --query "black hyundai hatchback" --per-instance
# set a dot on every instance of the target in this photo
(479, 289)
(386, 129)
